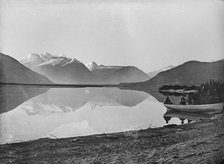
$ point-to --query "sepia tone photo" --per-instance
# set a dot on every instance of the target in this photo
(111, 81)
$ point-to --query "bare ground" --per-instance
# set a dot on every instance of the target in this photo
(201, 142)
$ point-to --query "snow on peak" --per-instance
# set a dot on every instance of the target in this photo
(92, 65)
(47, 58)
(166, 68)
(154, 73)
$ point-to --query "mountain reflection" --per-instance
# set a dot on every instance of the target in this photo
(69, 112)
(13, 96)
(157, 95)
(67, 99)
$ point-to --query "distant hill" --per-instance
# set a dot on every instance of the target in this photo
(13, 71)
(154, 73)
(102, 71)
(118, 74)
(189, 73)
(61, 69)
(128, 74)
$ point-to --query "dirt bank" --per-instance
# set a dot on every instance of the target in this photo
(201, 142)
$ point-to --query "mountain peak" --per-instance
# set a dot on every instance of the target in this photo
(62, 69)
(166, 68)
(154, 73)
(48, 59)
(92, 65)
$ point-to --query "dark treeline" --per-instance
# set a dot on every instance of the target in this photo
(207, 93)
(176, 87)
(167, 93)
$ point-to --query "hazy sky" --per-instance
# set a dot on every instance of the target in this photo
(149, 34)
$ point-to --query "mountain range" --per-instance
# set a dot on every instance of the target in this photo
(119, 74)
(61, 69)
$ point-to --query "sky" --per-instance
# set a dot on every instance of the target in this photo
(149, 34)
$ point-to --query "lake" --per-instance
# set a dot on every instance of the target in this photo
(32, 113)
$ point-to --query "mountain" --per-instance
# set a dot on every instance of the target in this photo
(91, 66)
(189, 73)
(128, 74)
(61, 69)
(154, 73)
(13, 71)
(117, 74)
(102, 71)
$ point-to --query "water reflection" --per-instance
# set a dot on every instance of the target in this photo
(67, 99)
(32, 113)
(12, 96)
(160, 96)
(76, 112)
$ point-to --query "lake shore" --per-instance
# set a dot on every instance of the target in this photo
(200, 142)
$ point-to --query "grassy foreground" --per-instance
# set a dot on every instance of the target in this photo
(201, 142)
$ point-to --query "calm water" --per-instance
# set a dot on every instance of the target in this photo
(28, 113)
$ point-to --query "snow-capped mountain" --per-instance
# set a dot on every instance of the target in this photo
(91, 66)
(47, 59)
(61, 69)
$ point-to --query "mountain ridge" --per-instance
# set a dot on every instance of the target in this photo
(188, 73)
(12, 70)
(61, 69)
(154, 73)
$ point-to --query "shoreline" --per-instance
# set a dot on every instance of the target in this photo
(59, 85)
(198, 142)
